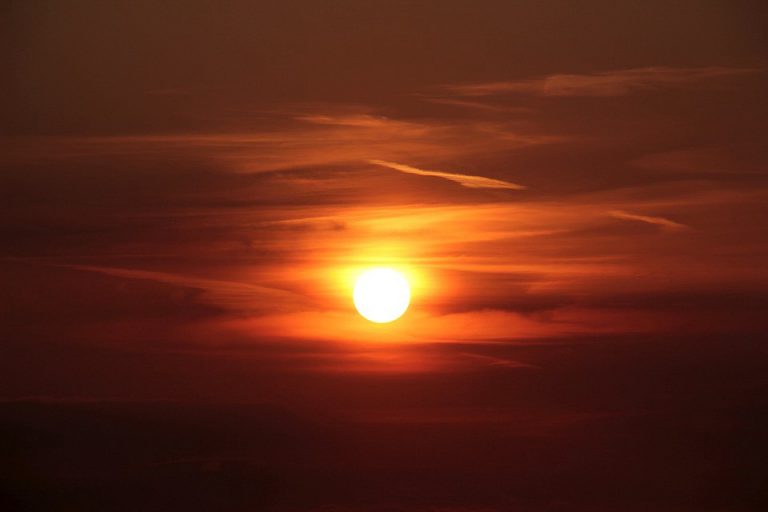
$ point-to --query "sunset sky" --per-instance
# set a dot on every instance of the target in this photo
(577, 193)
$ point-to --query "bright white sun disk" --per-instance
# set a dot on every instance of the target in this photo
(382, 295)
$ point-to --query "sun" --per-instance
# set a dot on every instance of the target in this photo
(382, 295)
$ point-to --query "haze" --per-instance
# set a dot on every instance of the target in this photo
(577, 192)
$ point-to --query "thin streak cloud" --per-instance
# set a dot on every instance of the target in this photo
(231, 295)
(465, 180)
(648, 219)
(608, 83)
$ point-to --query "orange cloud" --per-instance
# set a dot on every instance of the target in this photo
(609, 83)
(322, 138)
(465, 180)
(648, 219)
(233, 295)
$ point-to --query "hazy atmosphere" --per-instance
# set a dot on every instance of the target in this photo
(576, 194)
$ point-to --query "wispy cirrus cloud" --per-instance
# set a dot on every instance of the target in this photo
(479, 106)
(323, 137)
(232, 295)
(607, 83)
(649, 219)
(465, 180)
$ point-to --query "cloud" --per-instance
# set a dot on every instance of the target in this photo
(232, 295)
(359, 120)
(465, 180)
(330, 136)
(498, 361)
(648, 219)
(608, 83)
(478, 105)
